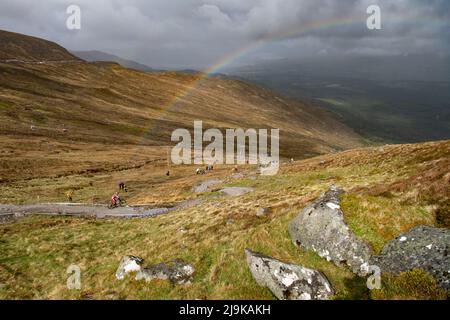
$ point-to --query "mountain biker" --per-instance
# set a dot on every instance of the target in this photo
(115, 199)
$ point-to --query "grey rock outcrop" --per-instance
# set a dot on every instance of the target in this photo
(320, 227)
(206, 185)
(288, 281)
(423, 247)
(177, 272)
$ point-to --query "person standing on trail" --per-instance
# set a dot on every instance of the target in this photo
(121, 185)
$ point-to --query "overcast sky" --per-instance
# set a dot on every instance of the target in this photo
(198, 33)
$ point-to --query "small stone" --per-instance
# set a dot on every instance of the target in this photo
(183, 230)
(262, 212)
(19, 214)
(128, 264)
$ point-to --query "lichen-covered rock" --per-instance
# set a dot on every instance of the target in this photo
(177, 272)
(288, 281)
(422, 247)
(128, 264)
(320, 227)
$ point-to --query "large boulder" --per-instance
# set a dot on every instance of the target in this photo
(320, 227)
(423, 247)
(288, 281)
(177, 272)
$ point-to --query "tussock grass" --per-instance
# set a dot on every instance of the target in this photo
(414, 284)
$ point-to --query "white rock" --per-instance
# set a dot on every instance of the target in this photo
(128, 264)
(132, 266)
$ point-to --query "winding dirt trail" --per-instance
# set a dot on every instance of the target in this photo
(98, 211)
(11, 212)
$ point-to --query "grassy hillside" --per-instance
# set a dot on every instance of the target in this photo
(16, 46)
(60, 118)
(389, 190)
(77, 105)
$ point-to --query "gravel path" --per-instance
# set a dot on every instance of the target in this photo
(11, 212)
(84, 210)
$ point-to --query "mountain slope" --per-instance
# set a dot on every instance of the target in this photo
(95, 56)
(75, 103)
(390, 189)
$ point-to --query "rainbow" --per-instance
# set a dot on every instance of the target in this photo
(255, 45)
(284, 35)
(313, 27)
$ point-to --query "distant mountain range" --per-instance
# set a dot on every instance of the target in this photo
(95, 55)
(100, 56)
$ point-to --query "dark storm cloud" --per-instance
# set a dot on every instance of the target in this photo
(197, 33)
